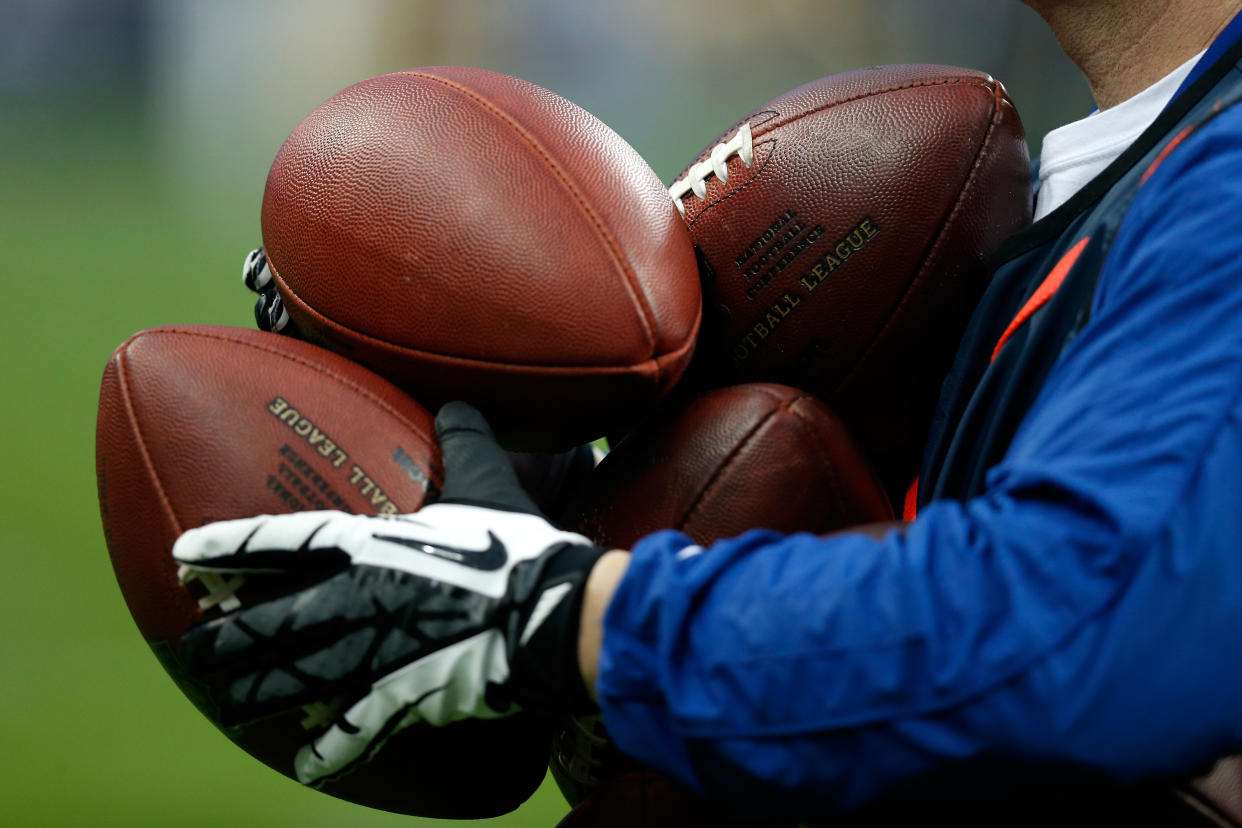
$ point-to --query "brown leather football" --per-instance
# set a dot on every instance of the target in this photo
(750, 456)
(472, 236)
(843, 229)
(204, 423)
(745, 457)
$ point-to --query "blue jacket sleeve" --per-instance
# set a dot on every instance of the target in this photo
(1084, 610)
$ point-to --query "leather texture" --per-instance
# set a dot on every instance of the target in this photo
(897, 183)
(1218, 795)
(473, 236)
(204, 423)
(750, 456)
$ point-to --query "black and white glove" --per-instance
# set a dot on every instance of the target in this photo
(269, 308)
(468, 608)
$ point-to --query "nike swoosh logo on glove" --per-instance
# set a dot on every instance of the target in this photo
(487, 560)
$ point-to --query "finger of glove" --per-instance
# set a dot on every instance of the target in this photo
(298, 542)
(256, 274)
(447, 686)
(301, 647)
(476, 468)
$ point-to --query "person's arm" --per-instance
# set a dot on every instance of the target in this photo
(600, 585)
(1084, 610)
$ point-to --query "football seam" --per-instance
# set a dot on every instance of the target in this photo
(702, 156)
(845, 495)
(1205, 804)
(941, 234)
(139, 438)
(714, 479)
(769, 126)
(534, 368)
(826, 466)
(377, 401)
(738, 190)
(637, 296)
(952, 81)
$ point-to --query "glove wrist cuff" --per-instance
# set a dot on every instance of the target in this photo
(547, 677)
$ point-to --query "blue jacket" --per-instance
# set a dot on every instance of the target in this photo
(1082, 608)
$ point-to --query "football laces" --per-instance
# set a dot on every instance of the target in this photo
(221, 591)
(715, 164)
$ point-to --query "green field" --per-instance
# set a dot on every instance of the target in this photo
(92, 248)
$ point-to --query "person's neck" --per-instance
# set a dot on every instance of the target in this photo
(1124, 46)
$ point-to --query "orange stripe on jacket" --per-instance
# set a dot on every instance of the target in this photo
(1043, 293)
(910, 509)
(1164, 153)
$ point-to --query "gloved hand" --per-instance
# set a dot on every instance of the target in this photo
(467, 608)
(269, 308)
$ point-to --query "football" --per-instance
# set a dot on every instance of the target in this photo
(843, 231)
(205, 423)
(469, 235)
(744, 457)
(750, 456)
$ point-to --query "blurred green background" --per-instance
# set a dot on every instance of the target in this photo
(134, 140)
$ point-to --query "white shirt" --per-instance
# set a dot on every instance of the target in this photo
(1074, 154)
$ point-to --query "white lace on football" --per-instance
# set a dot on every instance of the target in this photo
(221, 590)
(714, 164)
